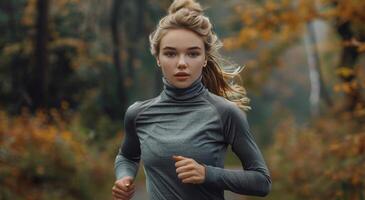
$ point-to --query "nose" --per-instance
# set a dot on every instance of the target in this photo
(182, 62)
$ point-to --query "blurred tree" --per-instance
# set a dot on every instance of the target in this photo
(61, 52)
(39, 87)
(280, 24)
(116, 7)
(350, 29)
(135, 31)
(315, 72)
(322, 159)
(42, 159)
(38, 55)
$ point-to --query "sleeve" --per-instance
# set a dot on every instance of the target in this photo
(254, 179)
(128, 157)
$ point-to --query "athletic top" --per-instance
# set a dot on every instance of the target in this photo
(194, 123)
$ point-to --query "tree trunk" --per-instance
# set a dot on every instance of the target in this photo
(135, 33)
(349, 56)
(116, 7)
(40, 89)
(318, 89)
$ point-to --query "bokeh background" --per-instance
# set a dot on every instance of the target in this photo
(70, 68)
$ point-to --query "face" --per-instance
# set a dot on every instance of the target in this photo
(181, 57)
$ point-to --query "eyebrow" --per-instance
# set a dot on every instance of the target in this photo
(190, 48)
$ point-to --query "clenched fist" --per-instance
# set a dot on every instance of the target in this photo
(188, 170)
(123, 189)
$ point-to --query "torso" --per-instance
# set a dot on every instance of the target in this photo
(168, 127)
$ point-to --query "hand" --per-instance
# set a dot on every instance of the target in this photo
(123, 189)
(188, 170)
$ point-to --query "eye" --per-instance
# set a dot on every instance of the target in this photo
(169, 53)
(193, 54)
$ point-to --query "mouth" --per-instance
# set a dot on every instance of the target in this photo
(182, 76)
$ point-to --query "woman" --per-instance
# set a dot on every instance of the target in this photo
(182, 134)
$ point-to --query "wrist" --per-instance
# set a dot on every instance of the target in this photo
(204, 171)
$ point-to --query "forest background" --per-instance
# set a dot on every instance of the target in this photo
(70, 68)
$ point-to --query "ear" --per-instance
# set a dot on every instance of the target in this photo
(158, 62)
(206, 60)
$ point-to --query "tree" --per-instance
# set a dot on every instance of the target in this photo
(39, 89)
(281, 22)
(325, 156)
(117, 6)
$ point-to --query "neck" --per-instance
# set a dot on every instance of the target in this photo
(195, 89)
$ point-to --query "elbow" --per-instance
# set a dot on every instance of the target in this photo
(265, 187)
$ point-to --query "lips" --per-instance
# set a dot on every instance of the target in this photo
(181, 74)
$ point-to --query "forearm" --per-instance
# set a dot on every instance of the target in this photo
(125, 167)
(247, 182)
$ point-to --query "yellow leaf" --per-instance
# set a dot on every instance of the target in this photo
(345, 72)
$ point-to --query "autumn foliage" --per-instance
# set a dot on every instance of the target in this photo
(324, 161)
(272, 27)
(41, 158)
(325, 158)
(57, 154)
(284, 20)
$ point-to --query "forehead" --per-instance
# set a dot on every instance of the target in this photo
(181, 39)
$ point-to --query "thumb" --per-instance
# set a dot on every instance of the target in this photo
(128, 182)
(124, 182)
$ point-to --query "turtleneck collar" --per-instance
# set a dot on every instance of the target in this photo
(195, 89)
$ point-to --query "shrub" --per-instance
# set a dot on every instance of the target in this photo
(324, 161)
(40, 158)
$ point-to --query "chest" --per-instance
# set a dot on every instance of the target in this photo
(193, 132)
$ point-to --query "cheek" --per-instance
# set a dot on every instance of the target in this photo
(166, 62)
(164, 65)
(166, 69)
(199, 65)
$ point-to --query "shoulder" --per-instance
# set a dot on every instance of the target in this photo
(225, 107)
(134, 109)
(233, 119)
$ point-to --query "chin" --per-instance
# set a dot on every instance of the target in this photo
(182, 84)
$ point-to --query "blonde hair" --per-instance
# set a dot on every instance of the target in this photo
(188, 14)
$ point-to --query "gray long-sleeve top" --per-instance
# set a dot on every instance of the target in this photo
(195, 123)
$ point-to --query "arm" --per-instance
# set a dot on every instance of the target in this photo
(254, 179)
(127, 160)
